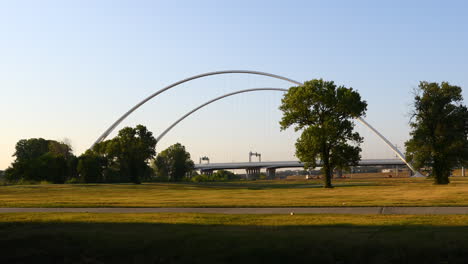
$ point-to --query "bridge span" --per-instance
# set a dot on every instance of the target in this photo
(253, 168)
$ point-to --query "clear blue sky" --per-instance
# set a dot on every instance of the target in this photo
(68, 69)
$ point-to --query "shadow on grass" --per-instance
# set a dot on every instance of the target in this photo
(61, 242)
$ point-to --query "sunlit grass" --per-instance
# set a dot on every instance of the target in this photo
(238, 219)
(348, 192)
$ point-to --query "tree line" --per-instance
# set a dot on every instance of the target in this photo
(321, 110)
(129, 157)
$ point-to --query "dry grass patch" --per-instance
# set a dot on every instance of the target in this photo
(348, 192)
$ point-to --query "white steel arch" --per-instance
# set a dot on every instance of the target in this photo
(118, 121)
(212, 101)
(362, 121)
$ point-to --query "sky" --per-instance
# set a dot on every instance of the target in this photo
(69, 69)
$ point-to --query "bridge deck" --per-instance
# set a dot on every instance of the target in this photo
(287, 164)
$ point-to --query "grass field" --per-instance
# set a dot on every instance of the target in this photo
(208, 238)
(348, 192)
(216, 238)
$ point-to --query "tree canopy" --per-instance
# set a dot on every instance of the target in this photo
(38, 159)
(323, 111)
(438, 140)
(125, 157)
(91, 167)
(173, 163)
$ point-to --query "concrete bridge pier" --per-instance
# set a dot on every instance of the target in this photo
(252, 173)
(271, 173)
(206, 172)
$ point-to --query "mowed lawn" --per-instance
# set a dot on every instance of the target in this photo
(280, 193)
(216, 238)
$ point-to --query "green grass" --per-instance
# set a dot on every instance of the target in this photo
(348, 192)
(214, 238)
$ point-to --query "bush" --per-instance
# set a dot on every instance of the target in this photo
(45, 182)
(27, 182)
(226, 175)
(73, 181)
(201, 178)
(218, 176)
(159, 178)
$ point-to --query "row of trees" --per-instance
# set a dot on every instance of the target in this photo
(324, 112)
(129, 157)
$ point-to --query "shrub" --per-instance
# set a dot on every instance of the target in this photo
(201, 178)
(262, 176)
(73, 181)
(218, 176)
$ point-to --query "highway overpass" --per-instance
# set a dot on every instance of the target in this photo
(253, 168)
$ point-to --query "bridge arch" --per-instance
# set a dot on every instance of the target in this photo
(212, 101)
(125, 115)
(118, 121)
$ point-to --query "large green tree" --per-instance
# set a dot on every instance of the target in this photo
(91, 167)
(438, 137)
(129, 152)
(173, 163)
(38, 159)
(323, 112)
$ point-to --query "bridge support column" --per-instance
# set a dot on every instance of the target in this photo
(206, 172)
(252, 173)
(271, 173)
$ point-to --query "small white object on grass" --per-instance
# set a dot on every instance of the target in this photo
(292, 213)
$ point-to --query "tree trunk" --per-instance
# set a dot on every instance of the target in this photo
(134, 173)
(327, 170)
(441, 177)
(328, 176)
(440, 172)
